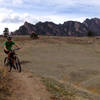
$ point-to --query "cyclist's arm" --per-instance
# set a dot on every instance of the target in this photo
(5, 48)
(17, 46)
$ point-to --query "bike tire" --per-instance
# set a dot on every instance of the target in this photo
(5, 61)
(18, 64)
(8, 63)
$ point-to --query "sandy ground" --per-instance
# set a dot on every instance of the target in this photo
(27, 87)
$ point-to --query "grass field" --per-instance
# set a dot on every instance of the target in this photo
(72, 60)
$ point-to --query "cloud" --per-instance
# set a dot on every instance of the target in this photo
(46, 3)
(17, 2)
(16, 19)
(1, 1)
(53, 6)
(14, 13)
(13, 20)
(10, 2)
(65, 2)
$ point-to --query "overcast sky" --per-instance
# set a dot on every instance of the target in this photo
(14, 13)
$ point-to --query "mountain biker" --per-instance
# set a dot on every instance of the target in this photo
(8, 44)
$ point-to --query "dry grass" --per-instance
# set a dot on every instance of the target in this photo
(4, 84)
(67, 59)
(58, 90)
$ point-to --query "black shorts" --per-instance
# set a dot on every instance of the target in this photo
(6, 51)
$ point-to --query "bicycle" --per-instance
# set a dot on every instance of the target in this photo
(13, 61)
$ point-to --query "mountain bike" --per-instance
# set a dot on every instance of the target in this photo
(13, 61)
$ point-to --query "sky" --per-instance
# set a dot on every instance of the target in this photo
(13, 13)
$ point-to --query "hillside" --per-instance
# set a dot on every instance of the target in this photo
(68, 28)
(59, 67)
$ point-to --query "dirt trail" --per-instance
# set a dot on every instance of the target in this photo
(27, 87)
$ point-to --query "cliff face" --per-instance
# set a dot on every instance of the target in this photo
(69, 28)
(93, 25)
(73, 28)
(25, 29)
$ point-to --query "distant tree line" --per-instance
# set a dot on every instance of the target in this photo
(34, 35)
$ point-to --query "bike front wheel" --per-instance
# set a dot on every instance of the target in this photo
(18, 64)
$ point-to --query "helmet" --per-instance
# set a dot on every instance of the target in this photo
(9, 37)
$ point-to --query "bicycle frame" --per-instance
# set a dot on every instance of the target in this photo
(12, 61)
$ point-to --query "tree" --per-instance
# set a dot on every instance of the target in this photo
(90, 34)
(6, 32)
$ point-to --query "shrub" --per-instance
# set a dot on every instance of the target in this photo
(34, 35)
(90, 34)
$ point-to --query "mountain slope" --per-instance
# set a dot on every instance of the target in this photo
(69, 28)
(93, 25)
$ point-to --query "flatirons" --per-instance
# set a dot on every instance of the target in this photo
(69, 28)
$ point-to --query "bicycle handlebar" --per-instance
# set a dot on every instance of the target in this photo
(15, 49)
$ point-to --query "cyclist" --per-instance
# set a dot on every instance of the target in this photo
(8, 45)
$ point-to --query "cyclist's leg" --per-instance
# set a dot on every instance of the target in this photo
(9, 54)
(11, 64)
(12, 60)
(6, 52)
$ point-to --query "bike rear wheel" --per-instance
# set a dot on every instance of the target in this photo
(17, 63)
(7, 62)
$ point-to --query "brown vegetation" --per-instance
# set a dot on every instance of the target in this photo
(4, 84)
(71, 60)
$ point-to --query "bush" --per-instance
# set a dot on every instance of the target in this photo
(34, 36)
(90, 34)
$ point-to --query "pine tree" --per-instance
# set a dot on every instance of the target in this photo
(6, 32)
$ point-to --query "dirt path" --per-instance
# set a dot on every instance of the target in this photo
(27, 87)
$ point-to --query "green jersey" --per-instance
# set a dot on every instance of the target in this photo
(9, 44)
